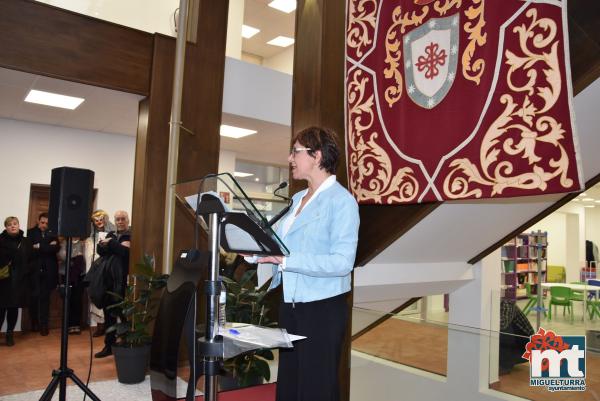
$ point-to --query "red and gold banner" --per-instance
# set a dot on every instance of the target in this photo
(458, 99)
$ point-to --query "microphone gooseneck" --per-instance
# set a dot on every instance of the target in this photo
(283, 211)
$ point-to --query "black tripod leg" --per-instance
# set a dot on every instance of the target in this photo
(83, 387)
(49, 392)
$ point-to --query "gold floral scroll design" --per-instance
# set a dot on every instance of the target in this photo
(361, 23)
(447, 5)
(522, 128)
(371, 175)
(473, 69)
(393, 54)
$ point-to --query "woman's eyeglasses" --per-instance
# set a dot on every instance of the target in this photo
(294, 151)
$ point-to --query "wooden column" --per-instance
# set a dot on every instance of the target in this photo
(201, 113)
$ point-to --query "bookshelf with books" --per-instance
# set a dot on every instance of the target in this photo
(519, 259)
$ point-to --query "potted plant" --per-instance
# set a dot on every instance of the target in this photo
(246, 304)
(137, 310)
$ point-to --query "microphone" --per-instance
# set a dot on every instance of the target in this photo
(283, 211)
(283, 184)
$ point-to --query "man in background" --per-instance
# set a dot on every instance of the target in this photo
(45, 248)
(116, 243)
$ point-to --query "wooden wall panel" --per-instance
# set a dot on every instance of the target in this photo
(201, 113)
(318, 97)
(46, 40)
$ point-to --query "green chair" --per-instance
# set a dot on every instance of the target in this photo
(577, 296)
(531, 299)
(560, 296)
(593, 308)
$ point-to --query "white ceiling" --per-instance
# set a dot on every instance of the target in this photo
(271, 22)
(103, 110)
(116, 112)
(268, 146)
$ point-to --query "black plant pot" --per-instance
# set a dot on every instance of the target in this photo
(131, 363)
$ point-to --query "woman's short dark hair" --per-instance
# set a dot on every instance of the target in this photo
(323, 139)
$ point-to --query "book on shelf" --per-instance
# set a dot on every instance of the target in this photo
(520, 259)
(509, 266)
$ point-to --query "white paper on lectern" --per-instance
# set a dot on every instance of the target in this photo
(238, 339)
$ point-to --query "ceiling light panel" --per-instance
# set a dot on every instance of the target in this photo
(242, 174)
(235, 132)
(281, 41)
(53, 99)
(248, 31)
(588, 199)
(287, 6)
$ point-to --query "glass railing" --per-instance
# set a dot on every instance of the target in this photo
(426, 357)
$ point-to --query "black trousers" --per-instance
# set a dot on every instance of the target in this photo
(109, 320)
(75, 304)
(309, 371)
(11, 318)
(39, 310)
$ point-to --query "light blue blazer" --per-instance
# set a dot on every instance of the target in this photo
(322, 243)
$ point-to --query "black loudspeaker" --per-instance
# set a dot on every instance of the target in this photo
(70, 202)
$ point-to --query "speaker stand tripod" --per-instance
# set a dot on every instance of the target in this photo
(60, 375)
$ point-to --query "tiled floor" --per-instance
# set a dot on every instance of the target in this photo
(28, 365)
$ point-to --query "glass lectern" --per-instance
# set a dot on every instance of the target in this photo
(234, 224)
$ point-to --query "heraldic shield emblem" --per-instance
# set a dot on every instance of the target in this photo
(431, 54)
(458, 99)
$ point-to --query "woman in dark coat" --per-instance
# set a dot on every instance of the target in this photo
(16, 274)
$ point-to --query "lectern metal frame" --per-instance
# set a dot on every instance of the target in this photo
(213, 211)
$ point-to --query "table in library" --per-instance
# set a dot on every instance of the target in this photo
(577, 287)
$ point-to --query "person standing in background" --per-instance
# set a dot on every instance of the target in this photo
(45, 247)
(118, 244)
(16, 275)
(101, 226)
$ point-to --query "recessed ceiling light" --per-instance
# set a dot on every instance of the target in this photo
(258, 179)
(589, 206)
(587, 199)
(281, 41)
(582, 194)
(235, 132)
(287, 6)
(248, 31)
(597, 201)
(241, 174)
(575, 200)
(53, 99)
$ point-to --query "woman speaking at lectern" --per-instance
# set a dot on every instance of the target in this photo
(321, 233)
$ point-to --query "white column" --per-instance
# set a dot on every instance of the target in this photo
(473, 322)
(226, 165)
(235, 20)
(573, 257)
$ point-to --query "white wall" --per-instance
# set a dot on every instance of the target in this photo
(30, 151)
(556, 226)
(146, 15)
(257, 92)
(283, 61)
(235, 19)
(592, 225)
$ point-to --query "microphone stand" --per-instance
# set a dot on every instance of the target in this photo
(60, 375)
(283, 211)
